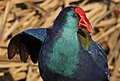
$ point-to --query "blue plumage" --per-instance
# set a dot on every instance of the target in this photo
(39, 33)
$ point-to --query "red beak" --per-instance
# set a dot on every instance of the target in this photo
(84, 22)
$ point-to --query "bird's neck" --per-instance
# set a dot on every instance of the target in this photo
(64, 58)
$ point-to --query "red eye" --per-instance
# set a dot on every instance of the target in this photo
(75, 15)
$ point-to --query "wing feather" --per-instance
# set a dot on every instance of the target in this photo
(28, 42)
(100, 58)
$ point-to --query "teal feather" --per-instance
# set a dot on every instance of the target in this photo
(64, 58)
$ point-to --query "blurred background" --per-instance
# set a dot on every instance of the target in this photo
(18, 15)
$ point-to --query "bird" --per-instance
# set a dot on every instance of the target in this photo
(65, 52)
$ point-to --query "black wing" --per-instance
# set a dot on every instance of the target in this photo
(100, 58)
(28, 42)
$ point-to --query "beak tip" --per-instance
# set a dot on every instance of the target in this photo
(90, 29)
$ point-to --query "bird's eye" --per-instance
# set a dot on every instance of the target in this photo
(75, 15)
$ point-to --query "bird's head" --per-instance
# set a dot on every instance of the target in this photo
(73, 17)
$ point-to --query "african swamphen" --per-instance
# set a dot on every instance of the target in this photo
(64, 53)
